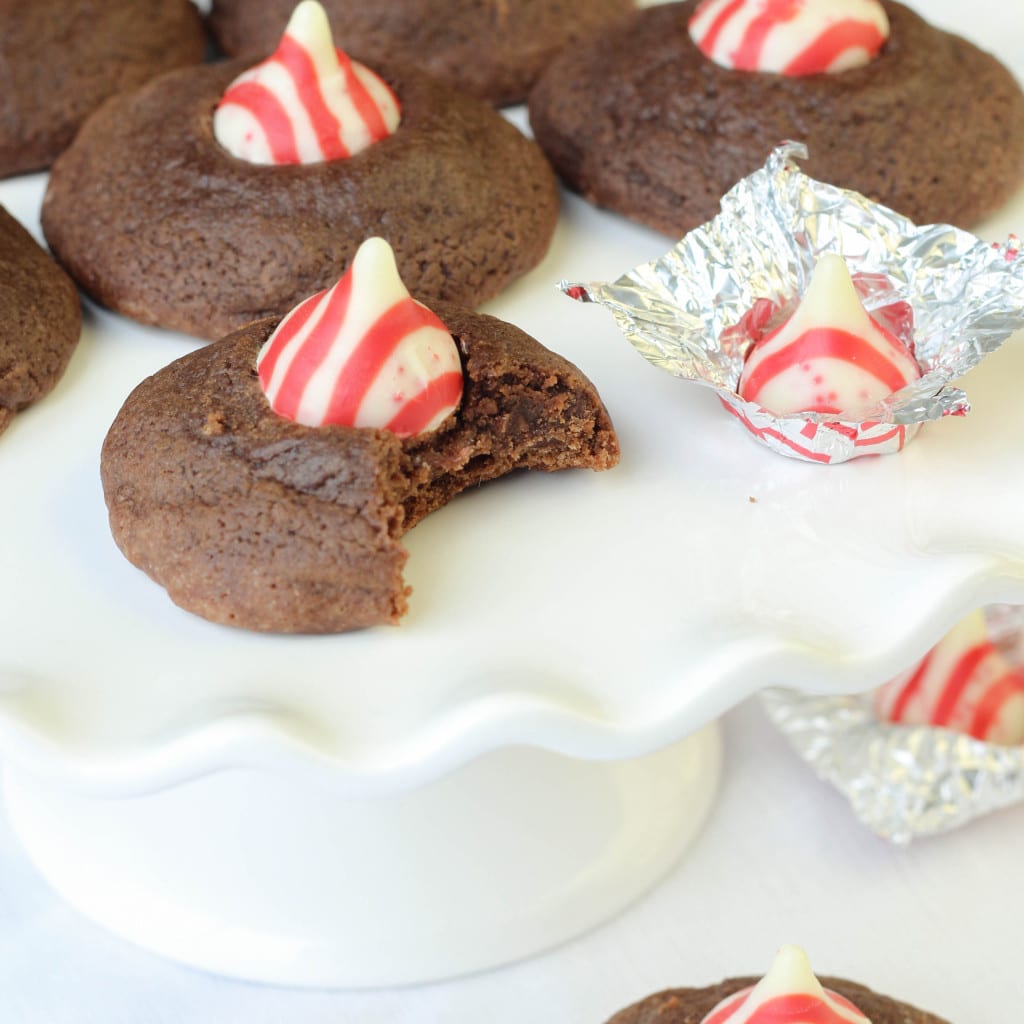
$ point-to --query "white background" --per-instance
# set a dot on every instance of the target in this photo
(782, 860)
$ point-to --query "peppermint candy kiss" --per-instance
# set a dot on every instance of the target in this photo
(363, 354)
(306, 103)
(788, 994)
(790, 37)
(963, 683)
(830, 356)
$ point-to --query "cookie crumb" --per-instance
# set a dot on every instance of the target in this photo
(214, 424)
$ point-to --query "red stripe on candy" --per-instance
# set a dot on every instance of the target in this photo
(314, 350)
(286, 330)
(808, 1009)
(439, 393)
(843, 1002)
(295, 59)
(824, 343)
(726, 1010)
(373, 350)
(835, 40)
(910, 688)
(364, 103)
(805, 1008)
(273, 119)
(989, 707)
(958, 680)
(707, 44)
(747, 55)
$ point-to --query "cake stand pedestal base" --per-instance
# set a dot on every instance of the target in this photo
(249, 874)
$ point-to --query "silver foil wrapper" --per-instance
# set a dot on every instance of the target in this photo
(681, 311)
(904, 782)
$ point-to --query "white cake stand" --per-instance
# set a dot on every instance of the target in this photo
(529, 750)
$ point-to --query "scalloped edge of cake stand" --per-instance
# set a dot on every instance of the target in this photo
(284, 741)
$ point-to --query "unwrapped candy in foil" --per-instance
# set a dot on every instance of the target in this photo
(905, 781)
(967, 297)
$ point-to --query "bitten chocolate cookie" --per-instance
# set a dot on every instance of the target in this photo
(154, 219)
(494, 49)
(40, 320)
(638, 120)
(60, 60)
(692, 1005)
(252, 520)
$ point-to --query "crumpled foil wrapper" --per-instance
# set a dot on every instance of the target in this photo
(680, 311)
(905, 782)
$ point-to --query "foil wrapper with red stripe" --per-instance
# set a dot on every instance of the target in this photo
(684, 311)
(905, 782)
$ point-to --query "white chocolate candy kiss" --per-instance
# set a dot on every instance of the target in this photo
(790, 37)
(363, 354)
(308, 102)
(963, 683)
(788, 994)
(830, 356)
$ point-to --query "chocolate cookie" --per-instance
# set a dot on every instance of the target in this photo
(40, 320)
(691, 1005)
(639, 121)
(60, 60)
(494, 49)
(255, 521)
(155, 220)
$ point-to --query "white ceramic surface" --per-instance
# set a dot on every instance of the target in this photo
(86, 718)
(247, 873)
(598, 615)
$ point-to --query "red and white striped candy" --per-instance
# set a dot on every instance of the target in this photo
(363, 354)
(790, 37)
(963, 683)
(308, 102)
(830, 356)
(788, 994)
